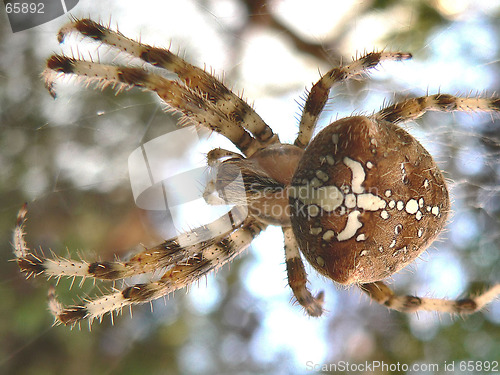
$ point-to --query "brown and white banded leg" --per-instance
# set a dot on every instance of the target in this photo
(177, 96)
(56, 267)
(383, 295)
(234, 107)
(211, 256)
(297, 276)
(159, 257)
(318, 95)
(411, 109)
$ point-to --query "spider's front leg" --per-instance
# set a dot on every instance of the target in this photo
(383, 295)
(191, 103)
(211, 103)
(297, 277)
(213, 90)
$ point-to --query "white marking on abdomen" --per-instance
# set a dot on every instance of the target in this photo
(351, 227)
(370, 202)
(361, 237)
(315, 230)
(329, 198)
(358, 174)
(411, 206)
(328, 235)
(350, 201)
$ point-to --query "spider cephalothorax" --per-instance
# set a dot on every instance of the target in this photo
(360, 201)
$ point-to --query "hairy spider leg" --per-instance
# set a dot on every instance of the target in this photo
(205, 84)
(382, 294)
(318, 95)
(182, 266)
(297, 277)
(160, 257)
(413, 108)
(175, 95)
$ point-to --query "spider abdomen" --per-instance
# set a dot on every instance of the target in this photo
(366, 200)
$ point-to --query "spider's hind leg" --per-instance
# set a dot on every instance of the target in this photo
(210, 256)
(383, 295)
(159, 257)
(33, 264)
(297, 277)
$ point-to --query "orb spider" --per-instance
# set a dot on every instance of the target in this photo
(360, 201)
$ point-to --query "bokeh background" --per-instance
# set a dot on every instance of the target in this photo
(68, 159)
